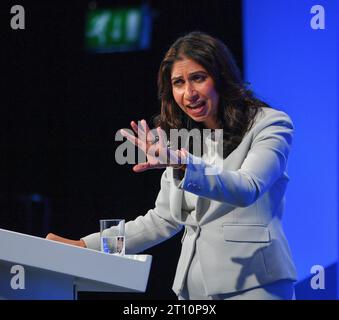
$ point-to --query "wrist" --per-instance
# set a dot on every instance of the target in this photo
(81, 243)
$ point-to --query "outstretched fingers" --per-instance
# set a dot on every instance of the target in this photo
(131, 137)
(150, 137)
(141, 130)
(163, 149)
(134, 126)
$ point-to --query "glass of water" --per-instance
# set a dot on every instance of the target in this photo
(112, 236)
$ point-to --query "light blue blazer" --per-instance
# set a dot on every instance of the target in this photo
(237, 231)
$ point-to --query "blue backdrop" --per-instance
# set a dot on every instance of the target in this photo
(295, 68)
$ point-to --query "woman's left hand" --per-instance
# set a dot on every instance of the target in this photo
(158, 154)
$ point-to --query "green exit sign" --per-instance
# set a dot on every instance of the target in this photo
(121, 29)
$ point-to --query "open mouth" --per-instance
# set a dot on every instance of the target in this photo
(196, 105)
(197, 109)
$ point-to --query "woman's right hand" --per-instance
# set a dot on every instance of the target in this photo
(158, 154)
(54, 237)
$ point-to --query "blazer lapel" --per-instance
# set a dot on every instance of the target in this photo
(175, 200)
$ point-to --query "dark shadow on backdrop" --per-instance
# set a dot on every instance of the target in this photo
(61, 107)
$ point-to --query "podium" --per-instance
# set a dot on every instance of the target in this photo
(33, 268)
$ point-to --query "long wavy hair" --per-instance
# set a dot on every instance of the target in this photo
(237, 105)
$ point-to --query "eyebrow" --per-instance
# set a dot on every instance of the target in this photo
(191, 74)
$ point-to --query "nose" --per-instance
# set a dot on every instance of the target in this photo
(191, 94)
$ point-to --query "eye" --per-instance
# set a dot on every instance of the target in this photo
(178, 83)
(199, 77)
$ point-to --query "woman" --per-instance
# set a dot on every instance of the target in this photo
(233, 245)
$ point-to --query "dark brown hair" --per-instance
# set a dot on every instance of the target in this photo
(237, 104)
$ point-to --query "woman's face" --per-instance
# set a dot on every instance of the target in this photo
(194, 91)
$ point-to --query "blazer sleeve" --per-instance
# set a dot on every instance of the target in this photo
(264, 163)
(146, 231)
